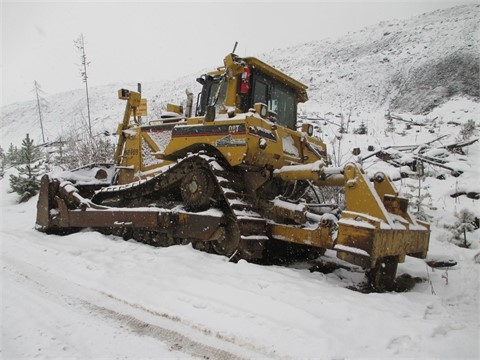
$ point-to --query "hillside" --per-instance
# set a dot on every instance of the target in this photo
(67, 112)
(407, 66)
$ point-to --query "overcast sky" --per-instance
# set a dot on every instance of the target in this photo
(154, 40)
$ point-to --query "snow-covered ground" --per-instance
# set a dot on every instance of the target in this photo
(88, 295)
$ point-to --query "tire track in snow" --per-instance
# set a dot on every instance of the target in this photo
(255, 351)
(135, 318)
(175, 340)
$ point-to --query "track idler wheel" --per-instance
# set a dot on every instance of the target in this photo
(228, 244)
(197, 189)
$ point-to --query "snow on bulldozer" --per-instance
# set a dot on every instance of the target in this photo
(234, 176)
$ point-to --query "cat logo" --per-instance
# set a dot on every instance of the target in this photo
(230, 141)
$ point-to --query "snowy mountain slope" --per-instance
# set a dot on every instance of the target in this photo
(67, 112)
(410, 66)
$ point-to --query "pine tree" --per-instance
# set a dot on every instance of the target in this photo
(104, 151)
(464, 224)
(76, 148)
(419, 197)
(26, 183)
(3, 160)
(342, 129)
(12, 155)
(390, 126)
(467, 130)
(362, 129)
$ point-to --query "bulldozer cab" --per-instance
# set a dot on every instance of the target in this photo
(242, 83)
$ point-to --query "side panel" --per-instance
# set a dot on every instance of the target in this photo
(277, 146)
(228, 137)
(143, 150)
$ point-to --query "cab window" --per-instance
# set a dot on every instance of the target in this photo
(279, 98)
(208, 96)
(218, 88)
(260, 93)
(282, 102)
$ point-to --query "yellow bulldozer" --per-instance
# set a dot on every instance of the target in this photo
(235, 176)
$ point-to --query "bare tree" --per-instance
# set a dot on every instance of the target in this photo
(38, 89)
(75, 148)
(80, 45)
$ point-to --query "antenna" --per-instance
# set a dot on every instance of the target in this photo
(235, 47)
